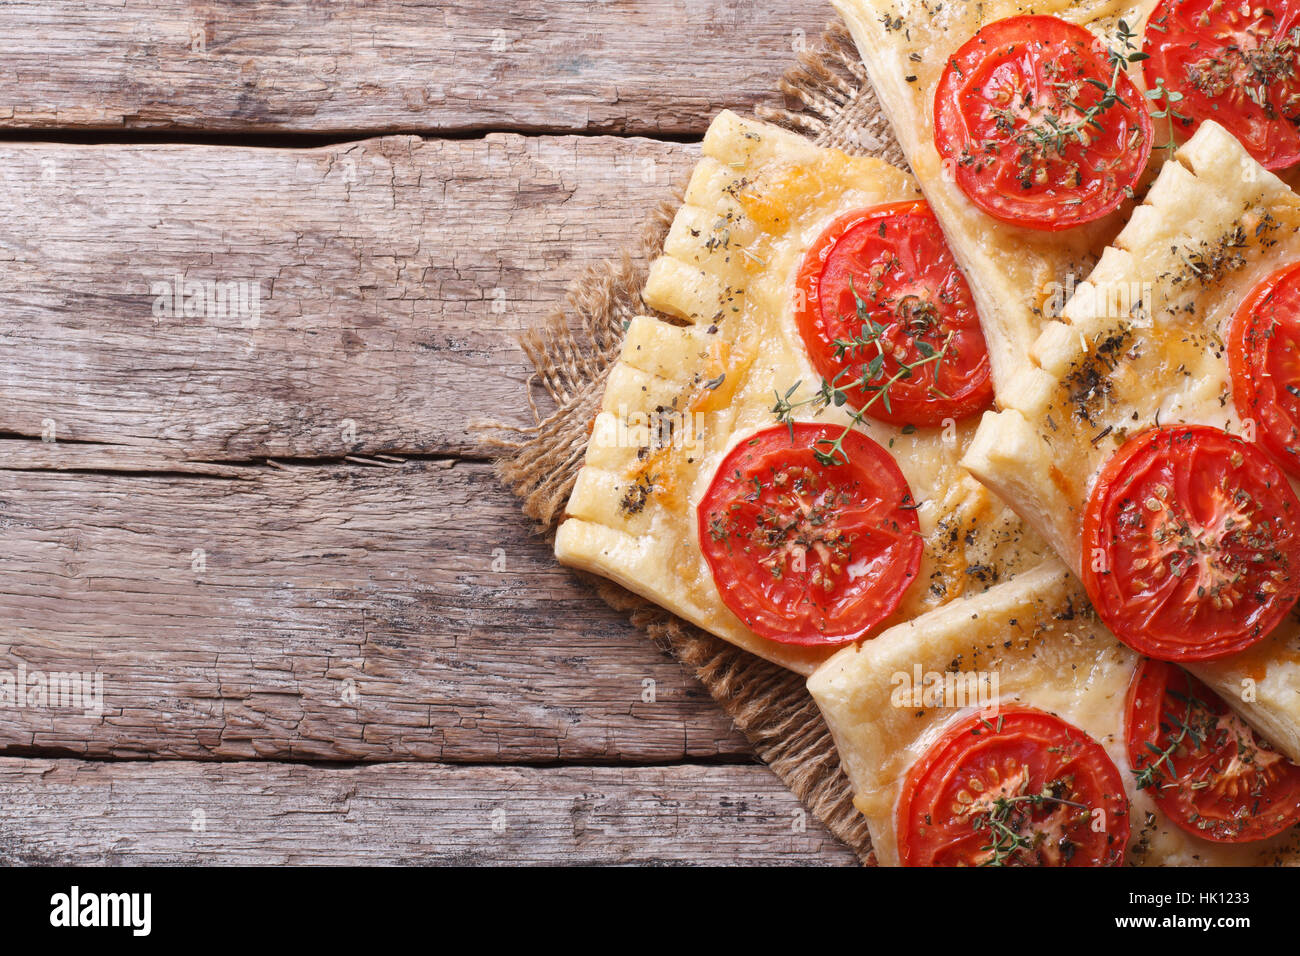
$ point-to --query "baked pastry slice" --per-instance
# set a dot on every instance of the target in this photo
(698, 385)
(1031, 643)
(1017, 270)
(1187, 544)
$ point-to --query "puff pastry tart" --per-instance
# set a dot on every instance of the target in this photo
(1014, 729)
(776, 454)
(1026, 132)
(1153, 438)
(1027, 124)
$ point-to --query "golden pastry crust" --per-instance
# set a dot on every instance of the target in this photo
(1031, 641)
(758, 200)
(1016, 274)
(1141, 343)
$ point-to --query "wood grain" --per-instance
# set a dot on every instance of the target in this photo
(332, 613)
(642, 66)
(142, 812)
(269, 534)
(390, 279)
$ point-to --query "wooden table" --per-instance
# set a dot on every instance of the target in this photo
(265, 522)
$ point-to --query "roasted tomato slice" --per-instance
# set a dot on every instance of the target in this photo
(1017, 788)
(1264, 359)
(887, 317)
(1204, 766)
(1235, 63)
(1038, 126)
(1190, 544)
(806, 552)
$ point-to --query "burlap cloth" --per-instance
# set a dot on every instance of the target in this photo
(829, 99)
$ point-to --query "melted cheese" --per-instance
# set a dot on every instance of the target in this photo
(1018, 275)
(758, 200)
(1047, 650)
(1142, 342)
(1015, 273)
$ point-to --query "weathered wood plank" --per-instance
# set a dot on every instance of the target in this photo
(328, 612)
(170, 812)
(646, 66)
(31, 455)
(384, 283)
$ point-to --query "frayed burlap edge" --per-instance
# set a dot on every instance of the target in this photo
(572, 353)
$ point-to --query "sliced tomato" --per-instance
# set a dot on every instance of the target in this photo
(1190, 543)
(1235, 63)
(1019, 788)
(1028, 122)
(1204, 766)
(887, 317)
(806, 552)
(1264, 360)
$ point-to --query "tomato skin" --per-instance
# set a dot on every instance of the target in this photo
(1232, 787)
(1199, 48)
(1196, 532)
(917, 293)
(807, 553)
(1264, 362)
(1012, 753)
(1000, 88)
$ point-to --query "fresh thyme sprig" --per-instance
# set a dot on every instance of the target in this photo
(1004, 840)
(832, 393)
(1163, 765)
(1170, 97)
(1051, 134)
